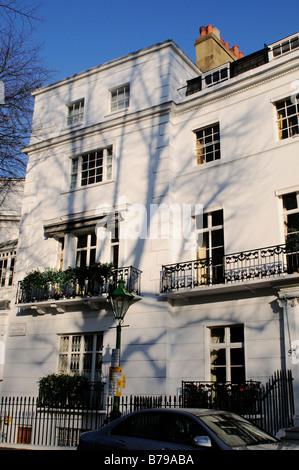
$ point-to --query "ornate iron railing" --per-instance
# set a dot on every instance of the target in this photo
(260, 263)
(269, 405)
(90, 287)
(240, 398)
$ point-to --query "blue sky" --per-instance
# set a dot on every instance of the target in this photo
(80, 34)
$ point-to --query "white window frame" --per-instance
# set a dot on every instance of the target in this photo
(217, 75)
(87, 249)
(98, 174)
(227, 345)
(203, 146)
(119, 98)
(282, 117)
(75, 112)
(284, 46)
(287, 212)
(66, 355)
(7, 266)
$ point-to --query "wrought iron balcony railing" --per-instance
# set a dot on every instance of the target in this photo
(256, 264)
(87, 286)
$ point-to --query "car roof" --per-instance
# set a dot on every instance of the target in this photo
(194, 411)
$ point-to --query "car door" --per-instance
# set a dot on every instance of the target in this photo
(153, 430)
(139, 431)
(179, 431)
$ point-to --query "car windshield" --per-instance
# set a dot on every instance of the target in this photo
(235, 431)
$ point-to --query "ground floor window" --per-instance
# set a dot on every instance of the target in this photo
(227, 362)
(81, 354)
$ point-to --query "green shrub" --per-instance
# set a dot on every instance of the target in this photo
(63, 389)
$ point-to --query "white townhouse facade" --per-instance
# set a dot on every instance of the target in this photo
(186, 178)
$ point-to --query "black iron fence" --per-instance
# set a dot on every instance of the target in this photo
(26, 420)
(31, 421)
(256, 264)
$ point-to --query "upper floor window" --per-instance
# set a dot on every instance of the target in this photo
(217, 76)
(7, 266)
(285, 46)
(75, 112)
(86, 249)
(119, 98)
(92, 167)
(291, 217)
(208, 144)
(210, 251)
(287, 118)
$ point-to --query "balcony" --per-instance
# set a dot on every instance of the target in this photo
(61, 289)
(236, 271)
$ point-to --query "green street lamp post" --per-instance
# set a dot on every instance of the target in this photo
(120, 300)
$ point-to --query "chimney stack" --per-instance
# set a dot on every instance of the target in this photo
(212, 51)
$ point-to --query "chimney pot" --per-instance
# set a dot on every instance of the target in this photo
(226, 45)
(240, 55)
(236, 51)
(209, 28)
(202, 30)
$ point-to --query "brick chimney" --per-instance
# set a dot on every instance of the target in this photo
(211, 51)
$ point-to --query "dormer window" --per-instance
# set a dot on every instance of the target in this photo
(75, 112)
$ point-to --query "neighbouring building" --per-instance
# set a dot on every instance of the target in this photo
(11, 193)
(186, 178)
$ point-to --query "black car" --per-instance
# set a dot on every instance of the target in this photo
(180, 429)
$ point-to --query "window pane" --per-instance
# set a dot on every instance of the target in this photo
(290, 201)
(218, 375)
(88, 342)
(238, 375)
(82, 241)
(62, 363)
(76, 342)
(64, 344)
(217, 335)
(237, 356)
(236, 334)
(218, 357)
(217, 218)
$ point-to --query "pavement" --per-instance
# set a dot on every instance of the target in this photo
(8, 446)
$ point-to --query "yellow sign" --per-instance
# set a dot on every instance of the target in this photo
(115, 374)
(123, 381)
(7, 419)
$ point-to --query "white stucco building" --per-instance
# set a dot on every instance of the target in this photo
(196, 167)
